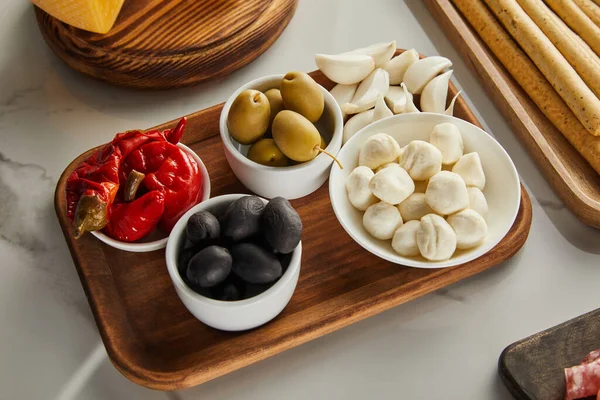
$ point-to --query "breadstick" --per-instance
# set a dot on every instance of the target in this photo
(585, 65)
(580, 99)
(578, 21)
(597, 2)
(530, 79)
(590, 9)
(575, 37)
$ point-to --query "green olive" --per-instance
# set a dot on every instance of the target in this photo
(300, 93)
(248, 117)
(266, 152)
(275, 101)
(296, 136)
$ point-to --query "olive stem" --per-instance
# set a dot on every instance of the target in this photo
(134, 180)
(330, 155)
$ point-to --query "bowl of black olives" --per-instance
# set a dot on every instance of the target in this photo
(235, 259)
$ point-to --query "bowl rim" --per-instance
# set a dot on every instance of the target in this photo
(172, 252)
(330, 101)
(160, 243)
(407, 261)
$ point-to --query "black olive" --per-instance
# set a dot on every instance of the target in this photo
(206, 292)
(242, 218)
(281, 225)
(230, 289)
(254, 264)
(285, 260)
(230, 292)
(209, 267)
(184, 259)
(201, 227)
(253, 289)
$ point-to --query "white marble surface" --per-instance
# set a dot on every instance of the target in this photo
(444, 345)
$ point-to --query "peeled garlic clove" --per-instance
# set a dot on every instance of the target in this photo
(356, 123)
(450, 110)
(360, 120)
(422, 71)
(433, 98)
(381, 52)
(381, 110)
(410, 105)
(343, 94)
(376, 83)
(346, 69)
(398, 65)
(396, 99)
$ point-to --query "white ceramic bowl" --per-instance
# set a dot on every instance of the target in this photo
(502, 189)
(230, 315)
(290, 182)
(157, 240)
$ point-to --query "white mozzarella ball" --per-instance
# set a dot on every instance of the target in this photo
(470, 228)
(392, 184)
(446, 193)
(422, 160)
(404, 241)
(470, 169)
(448, 139)
(435, 238)
(477, 201)
(377, 150)
(381, 220)
(414, 207)
(357, 187)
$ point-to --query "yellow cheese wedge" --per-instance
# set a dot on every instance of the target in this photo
(90, 15)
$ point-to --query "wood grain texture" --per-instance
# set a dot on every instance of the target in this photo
(572, 178)
(154, 341)
(157, 44)
(532, 368)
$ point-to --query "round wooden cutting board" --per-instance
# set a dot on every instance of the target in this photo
(157, 44)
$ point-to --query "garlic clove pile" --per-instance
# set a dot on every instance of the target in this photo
(376, 83)
(424, 70)
(433, 97)
(399, 64)
(396, 99)
(382, 53)
(346, 69)
(343, 94)
(410, 105)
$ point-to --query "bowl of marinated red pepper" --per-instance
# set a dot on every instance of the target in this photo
(131, 191)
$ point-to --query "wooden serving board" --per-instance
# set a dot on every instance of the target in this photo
(572, 178)
(157, 44)
(532, 368)
(154, 341)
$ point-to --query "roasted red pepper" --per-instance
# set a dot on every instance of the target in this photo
(132, 221)
(169, 170)
(171, 184)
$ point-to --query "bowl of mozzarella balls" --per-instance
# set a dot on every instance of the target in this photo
(425, 190)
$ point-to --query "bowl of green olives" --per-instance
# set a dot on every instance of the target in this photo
(234, 260)
(280, 134)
